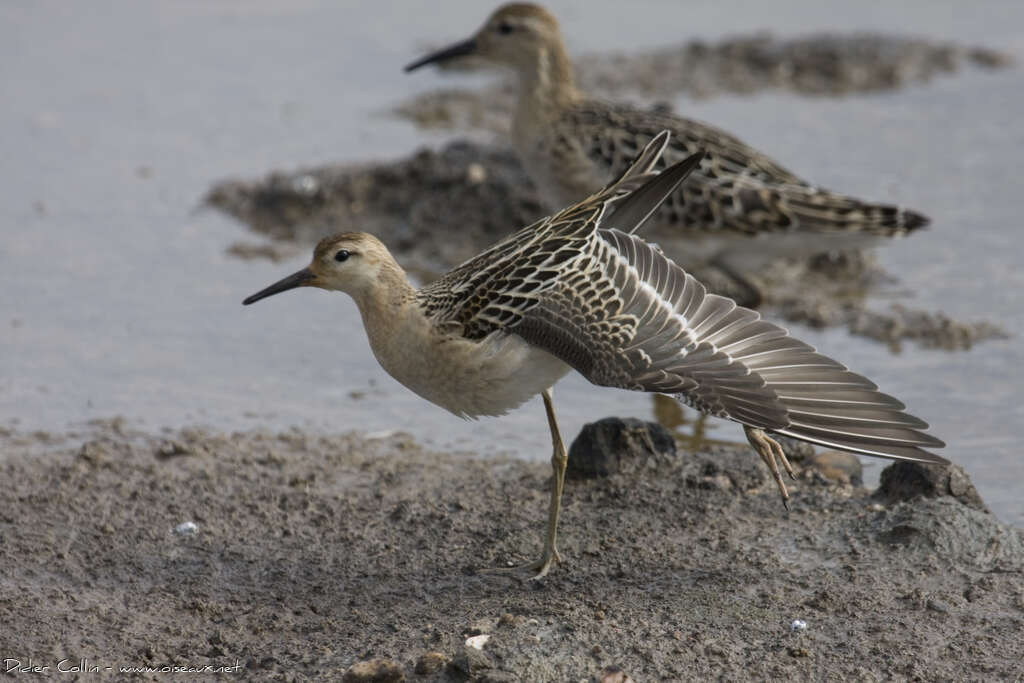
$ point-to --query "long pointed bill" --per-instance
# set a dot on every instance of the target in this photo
(466, 47)
(302, 278)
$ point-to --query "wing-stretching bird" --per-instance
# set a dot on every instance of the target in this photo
(579, 291)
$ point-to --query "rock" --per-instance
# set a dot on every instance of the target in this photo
(602, 447)
(430, 663)
(837, 466)
(377, 670)
(903, 481)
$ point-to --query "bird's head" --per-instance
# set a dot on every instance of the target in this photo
(350, 262)
(516, 35)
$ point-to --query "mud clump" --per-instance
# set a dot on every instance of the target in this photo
(906, 481)
(333, 557)
(604, 447)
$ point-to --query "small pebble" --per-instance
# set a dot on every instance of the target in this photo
(476, 174)
(186, 529)
(798, 625)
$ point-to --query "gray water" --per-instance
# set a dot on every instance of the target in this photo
(119, 298)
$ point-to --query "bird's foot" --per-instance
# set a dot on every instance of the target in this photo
(539, 567)
(768, 448)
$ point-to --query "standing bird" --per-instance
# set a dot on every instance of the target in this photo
(740, 208)
(579, 290)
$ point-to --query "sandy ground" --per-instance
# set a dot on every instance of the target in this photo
(313, 554)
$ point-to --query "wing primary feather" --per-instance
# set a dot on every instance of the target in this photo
(632, 211)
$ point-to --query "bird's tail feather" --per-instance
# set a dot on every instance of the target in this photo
(828, 211)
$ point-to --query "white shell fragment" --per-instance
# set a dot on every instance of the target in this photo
(186, 529)
(477, 642)
(798, 625)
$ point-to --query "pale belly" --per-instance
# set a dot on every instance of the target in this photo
(473, 379)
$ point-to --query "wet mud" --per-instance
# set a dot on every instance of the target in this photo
(295, 556)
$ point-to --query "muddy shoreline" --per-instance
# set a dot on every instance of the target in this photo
(310, 554)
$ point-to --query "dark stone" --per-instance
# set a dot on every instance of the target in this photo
(602, 447)
(903, 480)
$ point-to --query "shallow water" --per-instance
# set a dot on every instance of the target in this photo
(120, 300)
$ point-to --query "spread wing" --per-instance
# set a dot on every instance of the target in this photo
(495, 289)
(628, 317)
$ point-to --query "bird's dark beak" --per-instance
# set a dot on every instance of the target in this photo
(466, 47)
(302, 278)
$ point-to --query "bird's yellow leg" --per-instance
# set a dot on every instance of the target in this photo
(559, 460)
(768, 448)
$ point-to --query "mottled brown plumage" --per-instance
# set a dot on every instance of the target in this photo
(571, 145)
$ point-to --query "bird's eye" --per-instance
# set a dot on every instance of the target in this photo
(505, 28)
(342, 255)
